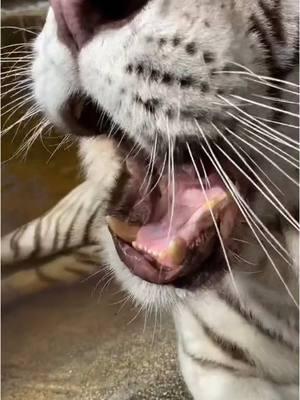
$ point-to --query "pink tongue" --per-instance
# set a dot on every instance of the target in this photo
(183, 218)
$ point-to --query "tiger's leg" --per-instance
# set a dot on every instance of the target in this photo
(71, 223)
(63, 270)
(71, 228)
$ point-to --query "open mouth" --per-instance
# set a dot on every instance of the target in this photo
(164, 227)
(171, 232)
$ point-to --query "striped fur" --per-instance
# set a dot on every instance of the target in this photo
(63, 246)
(59, 248)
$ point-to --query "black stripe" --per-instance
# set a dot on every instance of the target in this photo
(257, 27)
(228, 347)
(206, 363)
(77, 272)
(67, 239)
(94, 250)
(85, 260)
(46, 278)
(57, 227)
(249, 317)
(275, 70)
(14, 241)
(56, 235)
(37, 240)
(274, 17)
(89, 224)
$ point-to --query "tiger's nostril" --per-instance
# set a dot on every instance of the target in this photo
(78, 20)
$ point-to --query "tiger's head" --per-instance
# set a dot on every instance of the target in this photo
(200, 100)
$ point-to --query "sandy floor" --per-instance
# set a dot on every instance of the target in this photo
(70, 344)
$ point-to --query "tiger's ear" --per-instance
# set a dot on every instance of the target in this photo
(292, 242)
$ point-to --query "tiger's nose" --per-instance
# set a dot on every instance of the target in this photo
(79, 20)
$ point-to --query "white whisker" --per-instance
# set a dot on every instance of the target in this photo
(272, 85)
(285, 213)
(264, 132)
(271, 148)
(276, 166)
(262, 138)
(18, 28)
(157, 181)
(242, 259)
(275, 99)
(149, 167)
(248, 72)
(217, 165)
(265, 105)
(33, 110)
(260, 169)
(239, 201)
(213, 218)
(173, 189)
(288, 139)
(272, 121)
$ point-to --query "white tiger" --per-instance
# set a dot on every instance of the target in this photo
(191, 192)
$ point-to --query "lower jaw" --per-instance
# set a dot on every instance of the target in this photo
(201, 272)
(208, 274)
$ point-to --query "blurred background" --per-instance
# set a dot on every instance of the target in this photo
(77, 342)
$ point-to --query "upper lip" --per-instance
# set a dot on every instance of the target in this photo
(84, 117)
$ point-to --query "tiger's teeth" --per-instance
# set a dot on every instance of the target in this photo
(123, 230)
(214, 206)
(216, 201)
(175, 253)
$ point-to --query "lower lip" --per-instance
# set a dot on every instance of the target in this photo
(143, 268)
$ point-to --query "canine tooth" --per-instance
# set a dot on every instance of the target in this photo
(135, 245)
(123, 230)
(176, 251)
(210, 204)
